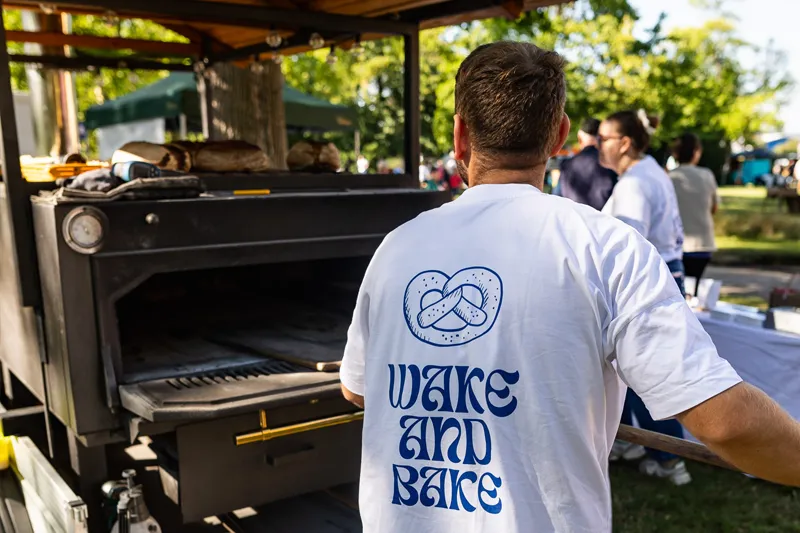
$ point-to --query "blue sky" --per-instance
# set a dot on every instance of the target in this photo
(758, 21)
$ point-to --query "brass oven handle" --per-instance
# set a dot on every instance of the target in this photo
(265, 433)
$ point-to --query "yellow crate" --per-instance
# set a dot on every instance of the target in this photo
(45, 172)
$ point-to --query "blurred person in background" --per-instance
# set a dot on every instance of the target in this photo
(644, 198)
(696, 190)
(455, 182)
(362, 164)
(582, 178)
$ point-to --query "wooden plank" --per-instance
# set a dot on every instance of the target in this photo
(514, 8)
(369, 8)
(480, 14)
(104, 43)
(680, 447)
(169, 357)
(452, 20)
(310, 355)
(398, 7)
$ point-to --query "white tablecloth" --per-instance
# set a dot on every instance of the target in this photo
(768, 359)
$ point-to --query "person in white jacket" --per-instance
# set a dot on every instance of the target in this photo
(644, 198)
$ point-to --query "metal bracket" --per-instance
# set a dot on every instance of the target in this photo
(266, 433)
(22, 411)
(80, 516)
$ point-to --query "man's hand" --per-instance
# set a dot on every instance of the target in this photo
(749, 430)
(352, 397)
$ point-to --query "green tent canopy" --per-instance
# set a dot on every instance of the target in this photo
(177, 94)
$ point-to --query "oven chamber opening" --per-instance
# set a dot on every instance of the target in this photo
(247, 320)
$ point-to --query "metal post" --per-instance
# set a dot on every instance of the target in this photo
(204, 92)
(16, 194)
(411, 110)
(182, 127)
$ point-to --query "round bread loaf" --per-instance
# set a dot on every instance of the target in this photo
(314, 156)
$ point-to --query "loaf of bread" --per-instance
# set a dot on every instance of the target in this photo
(314, 156)
(190, 147)
(229, 156)
(168, 157)
(186, 156)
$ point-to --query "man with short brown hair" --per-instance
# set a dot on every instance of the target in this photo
(493, 364)
(513, 94)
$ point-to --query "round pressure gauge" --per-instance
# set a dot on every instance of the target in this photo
(84, 229)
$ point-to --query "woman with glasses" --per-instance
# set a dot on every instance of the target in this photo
(644, 198)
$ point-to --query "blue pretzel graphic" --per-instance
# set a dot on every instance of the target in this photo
(451, 311)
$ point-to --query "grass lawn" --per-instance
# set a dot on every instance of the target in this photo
(751, 229)
(786, 247)
(751, 300)
(717, 501)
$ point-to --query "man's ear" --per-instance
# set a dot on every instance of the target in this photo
(461, 147)
(563, 132)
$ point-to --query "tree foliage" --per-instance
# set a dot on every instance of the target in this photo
(693, 78)
(94, 87)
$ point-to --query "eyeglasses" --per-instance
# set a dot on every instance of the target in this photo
(602, 139)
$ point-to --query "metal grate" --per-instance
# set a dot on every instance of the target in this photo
(234, 374)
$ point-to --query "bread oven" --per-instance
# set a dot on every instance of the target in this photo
(215, 325)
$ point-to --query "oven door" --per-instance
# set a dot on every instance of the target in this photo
(215, 343)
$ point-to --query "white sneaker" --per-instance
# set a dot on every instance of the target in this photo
(677, 473)
(627, 451)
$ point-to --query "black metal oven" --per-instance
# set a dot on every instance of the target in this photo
(215, 326)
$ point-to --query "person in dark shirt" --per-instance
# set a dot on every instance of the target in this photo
(582, 179)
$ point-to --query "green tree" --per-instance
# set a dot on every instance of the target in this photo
(692, 78)
(96, 86)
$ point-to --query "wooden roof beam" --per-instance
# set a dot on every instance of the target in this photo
(105, 43)
(241, 15)
(513, 8)
(86, 62)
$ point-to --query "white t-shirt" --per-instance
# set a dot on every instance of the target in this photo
(644, 198)
(492, 363)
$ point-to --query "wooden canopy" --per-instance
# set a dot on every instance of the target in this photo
(237, 29)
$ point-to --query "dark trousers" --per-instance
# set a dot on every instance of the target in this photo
(695, 264)
(677, 270)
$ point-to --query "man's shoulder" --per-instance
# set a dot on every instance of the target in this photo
(423, 226)
(585, 226)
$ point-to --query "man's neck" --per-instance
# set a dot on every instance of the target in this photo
(530, 176)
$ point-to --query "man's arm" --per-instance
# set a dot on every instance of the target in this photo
(749, 430)
(352, 397)
(352, 373)
(664, 354)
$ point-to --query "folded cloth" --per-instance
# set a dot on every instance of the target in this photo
(98, 180)
(138, 189)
